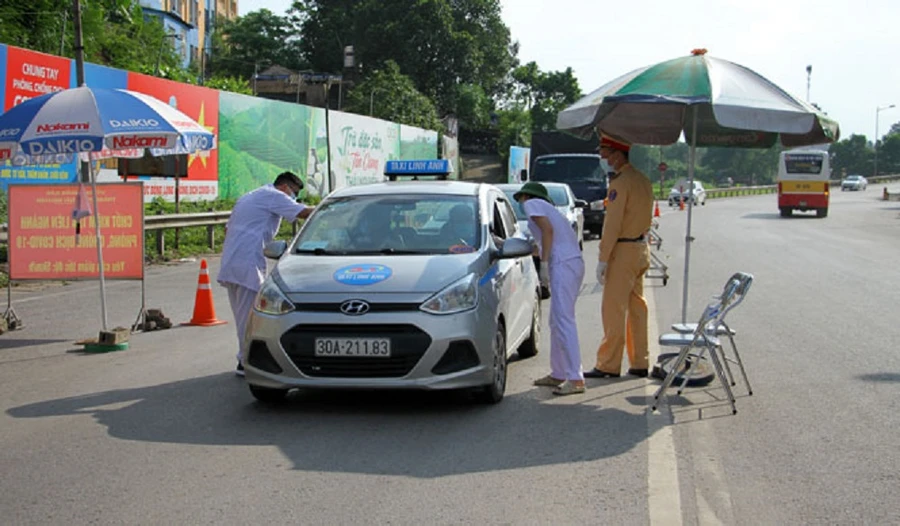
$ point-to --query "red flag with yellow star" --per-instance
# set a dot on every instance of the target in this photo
(200, 104)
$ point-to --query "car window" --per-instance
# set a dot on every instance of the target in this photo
(509, 217)
(414, 224)
(498, 228)
(558, 195)
(516, 206)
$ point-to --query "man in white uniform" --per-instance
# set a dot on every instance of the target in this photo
(253, 223)
(563, 267)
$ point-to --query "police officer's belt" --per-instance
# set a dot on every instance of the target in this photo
(630, 239)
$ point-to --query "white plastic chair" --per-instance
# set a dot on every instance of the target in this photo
(704, 335)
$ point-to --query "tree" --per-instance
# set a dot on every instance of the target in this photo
(895, 128)
(232, 84)
(439, 44)
(115, 33)
(392, 96)
(515, 130)
(250, 43)
(852, 155)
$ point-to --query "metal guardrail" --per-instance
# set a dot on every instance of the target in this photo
(160, 223)
(714, 193)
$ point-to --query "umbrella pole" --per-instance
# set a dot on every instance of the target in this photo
(687, 238)
(93, 176)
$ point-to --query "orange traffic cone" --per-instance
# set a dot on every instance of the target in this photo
(681, 204)
(204, 310)
(656, 210)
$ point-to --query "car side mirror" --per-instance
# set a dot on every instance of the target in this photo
(275, 249)
(513, 248)
(581, 203)
(523, 175)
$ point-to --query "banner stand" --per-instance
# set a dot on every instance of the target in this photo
(13, 321)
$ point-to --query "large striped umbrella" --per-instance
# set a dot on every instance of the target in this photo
(96, 123)
(710, 101)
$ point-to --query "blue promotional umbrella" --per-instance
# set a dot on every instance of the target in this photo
(97, 123)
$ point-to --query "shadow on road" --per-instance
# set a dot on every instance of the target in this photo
(395, 433)
(15, 343)
(880, 377)
(776, 215)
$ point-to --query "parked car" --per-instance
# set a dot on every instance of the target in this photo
(418, 285)
(854, 182)
(564, 200)
(682, 191)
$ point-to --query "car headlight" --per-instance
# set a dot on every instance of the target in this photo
(596, 205)
(270, 299)
(459, 296)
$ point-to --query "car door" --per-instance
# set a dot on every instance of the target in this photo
(518, 292)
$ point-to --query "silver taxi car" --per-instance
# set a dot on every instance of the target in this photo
(420, 285)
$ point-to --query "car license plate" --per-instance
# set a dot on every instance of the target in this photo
(354, 347)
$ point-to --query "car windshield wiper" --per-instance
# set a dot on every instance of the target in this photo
(319, 251)
(385, 251)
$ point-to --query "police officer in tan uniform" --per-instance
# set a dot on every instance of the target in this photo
(624, 259)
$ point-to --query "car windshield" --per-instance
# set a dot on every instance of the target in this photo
(558, 195)
(390, 224)
(853, 177)
(569, 169)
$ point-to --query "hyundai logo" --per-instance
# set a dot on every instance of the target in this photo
(354, 307)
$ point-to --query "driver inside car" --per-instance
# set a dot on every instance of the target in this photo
(460, 227)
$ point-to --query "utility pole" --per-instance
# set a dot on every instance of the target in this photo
(79, 74)
(808, 75)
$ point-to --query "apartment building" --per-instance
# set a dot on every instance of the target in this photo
(191, 23)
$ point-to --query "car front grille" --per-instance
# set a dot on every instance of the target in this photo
(373, 307)
(408, 345)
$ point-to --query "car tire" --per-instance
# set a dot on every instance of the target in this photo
(493, 392)
(785, 211)
(821, 212)
(531, 346)
(268, 395)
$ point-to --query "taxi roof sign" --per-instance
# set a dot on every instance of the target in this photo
(428, 167)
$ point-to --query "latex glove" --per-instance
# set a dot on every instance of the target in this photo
(601, 272)
(544, 274)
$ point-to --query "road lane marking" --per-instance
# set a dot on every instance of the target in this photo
(664, 492)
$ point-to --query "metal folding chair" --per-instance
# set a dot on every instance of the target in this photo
(723, 329)
(657, 269)
(704, 336)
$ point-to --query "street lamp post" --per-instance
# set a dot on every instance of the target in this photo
(875, 141)
(372, 100)
(161, 43)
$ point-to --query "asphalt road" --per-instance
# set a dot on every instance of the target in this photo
(164, 433)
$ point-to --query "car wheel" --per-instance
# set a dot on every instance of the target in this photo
(267, 395)
(822, 212)
(493, 392)
(530, 347)
(785, 211)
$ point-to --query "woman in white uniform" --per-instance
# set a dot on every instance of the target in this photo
(562, 267)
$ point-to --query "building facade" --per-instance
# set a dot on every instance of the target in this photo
(191, 23)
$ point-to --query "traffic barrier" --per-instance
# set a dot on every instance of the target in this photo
(656, 210)
(204, 309)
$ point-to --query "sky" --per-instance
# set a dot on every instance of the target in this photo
(852, 46)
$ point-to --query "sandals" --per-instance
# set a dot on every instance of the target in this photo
(548, 381)
(568, 388)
